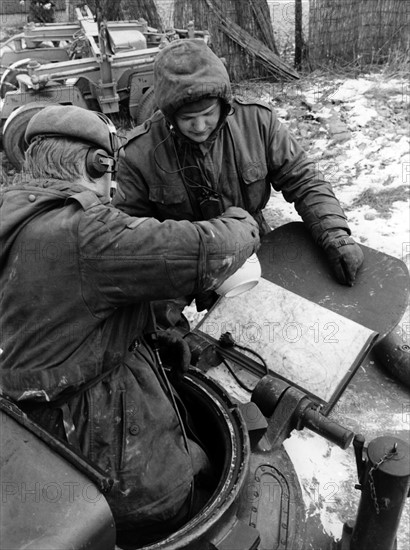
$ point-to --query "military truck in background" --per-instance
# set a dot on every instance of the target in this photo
(98, 65)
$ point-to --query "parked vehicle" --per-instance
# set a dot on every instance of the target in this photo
(104, 66)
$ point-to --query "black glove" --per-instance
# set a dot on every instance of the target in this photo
(345, 256)
(174, 352)
(168, 313)
(205, 300)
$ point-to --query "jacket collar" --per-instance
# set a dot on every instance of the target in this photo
(55, 186)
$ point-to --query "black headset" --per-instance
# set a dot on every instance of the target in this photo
(98, 161)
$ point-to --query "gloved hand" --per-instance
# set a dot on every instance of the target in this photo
(174, 352)
(168, 313)
(205, 300)
(238, 213)
(344, 254)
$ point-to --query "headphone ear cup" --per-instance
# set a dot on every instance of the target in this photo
(96, 169)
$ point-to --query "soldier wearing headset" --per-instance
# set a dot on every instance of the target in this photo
(205, 150)
(77, 278)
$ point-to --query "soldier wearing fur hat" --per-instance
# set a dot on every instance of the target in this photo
(77, 276)
(204, 151)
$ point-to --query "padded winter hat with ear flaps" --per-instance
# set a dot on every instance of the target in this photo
(187, 71)
(74, 122)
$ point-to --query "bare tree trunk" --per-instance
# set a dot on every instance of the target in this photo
(261, 11)
(251, 15)
(110, 10)
(298, 35)
(147, 9)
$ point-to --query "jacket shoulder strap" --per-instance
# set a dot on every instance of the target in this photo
(139, 131)
(87, 199)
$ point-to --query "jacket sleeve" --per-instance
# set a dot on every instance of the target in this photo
(124, 260)
(301, 183)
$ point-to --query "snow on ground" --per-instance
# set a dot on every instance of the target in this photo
(370, 169)
(357, 131)
(370, 173)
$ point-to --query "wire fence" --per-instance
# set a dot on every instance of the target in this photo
(357, 31)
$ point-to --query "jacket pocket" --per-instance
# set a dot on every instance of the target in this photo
(167, 195)
(171, 202)
(254, 172)
(256, 187)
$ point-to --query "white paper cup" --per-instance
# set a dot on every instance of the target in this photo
(245, 278)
